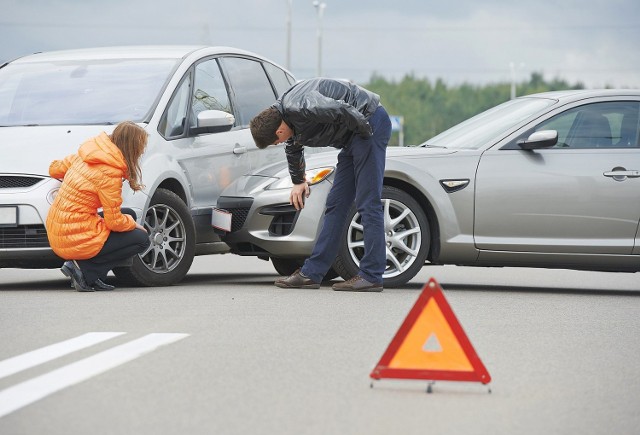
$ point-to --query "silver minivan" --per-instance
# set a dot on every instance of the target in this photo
(195, 103)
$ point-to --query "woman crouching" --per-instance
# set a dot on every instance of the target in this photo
(92, 242)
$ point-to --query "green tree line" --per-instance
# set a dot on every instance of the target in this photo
(430, 107)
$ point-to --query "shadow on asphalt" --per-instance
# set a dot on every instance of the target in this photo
(192, 280)
(449, 286)
(267, 279)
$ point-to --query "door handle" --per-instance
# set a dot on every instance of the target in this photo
(619, 174)
(238, 149)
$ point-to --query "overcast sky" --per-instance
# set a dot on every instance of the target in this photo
(595, 42)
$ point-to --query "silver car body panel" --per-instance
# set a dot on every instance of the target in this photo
(202, 165)
(297, 244)
(551, 207)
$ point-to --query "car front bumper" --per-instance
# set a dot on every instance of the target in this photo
(267, 225)
(24, 243)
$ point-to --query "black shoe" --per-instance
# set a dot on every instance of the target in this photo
(66, 271)
(99, 285)
(72, 270)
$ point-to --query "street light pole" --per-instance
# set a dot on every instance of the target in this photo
(320, 11)
(290, 7)
(512, 67)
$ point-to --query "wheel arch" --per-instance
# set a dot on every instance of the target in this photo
(425, 204)
(176, 187)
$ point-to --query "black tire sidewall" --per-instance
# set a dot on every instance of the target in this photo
(286, 266)
(138, 273)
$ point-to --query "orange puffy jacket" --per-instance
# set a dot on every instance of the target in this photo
(92, 179)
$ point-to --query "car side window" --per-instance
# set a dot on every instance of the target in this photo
(596, 125)
(173, 122)
(252, 90)
(279, 78)
(626, 131)
(209, 90)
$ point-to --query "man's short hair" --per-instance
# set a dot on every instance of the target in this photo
(264, 126)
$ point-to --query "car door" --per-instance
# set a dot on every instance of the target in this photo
(580, 196)
(252, 92)
(210, 161)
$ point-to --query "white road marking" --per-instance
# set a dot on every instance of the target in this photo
(27, 360)
(25, 393)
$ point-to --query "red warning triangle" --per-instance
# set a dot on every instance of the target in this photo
(431, 345)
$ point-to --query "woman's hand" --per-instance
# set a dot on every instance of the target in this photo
(140, 227)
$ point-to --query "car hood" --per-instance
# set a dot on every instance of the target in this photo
(326, 158)
(30, 150)
(414, 152)
(330, 158)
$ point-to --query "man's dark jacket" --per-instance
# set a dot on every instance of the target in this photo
(324, 112)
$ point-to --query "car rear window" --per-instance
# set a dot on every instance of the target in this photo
(81, 92)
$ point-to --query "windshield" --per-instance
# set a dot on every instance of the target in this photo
(489, 125)
(81, 92)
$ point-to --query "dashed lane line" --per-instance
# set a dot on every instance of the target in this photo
(25, 393)
(45, 354)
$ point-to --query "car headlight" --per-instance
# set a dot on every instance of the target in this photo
(313, 176)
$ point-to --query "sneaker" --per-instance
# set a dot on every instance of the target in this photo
(357, 284)
(296, 280)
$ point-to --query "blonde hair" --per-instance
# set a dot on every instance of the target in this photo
(131, 140)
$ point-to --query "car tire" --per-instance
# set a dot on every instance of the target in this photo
(408, 240)
(172, 235)
(286, 266)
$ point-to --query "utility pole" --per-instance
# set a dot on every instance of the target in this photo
(512, 67)
(320, 12)
(289, 15)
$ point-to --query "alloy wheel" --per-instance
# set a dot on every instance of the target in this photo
(168, 241)
(403, 237)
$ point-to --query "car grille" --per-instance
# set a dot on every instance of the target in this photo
(238, 207)
(24, 236)
(12, 181)
(238, 217)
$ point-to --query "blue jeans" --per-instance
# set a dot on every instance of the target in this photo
(359, 177)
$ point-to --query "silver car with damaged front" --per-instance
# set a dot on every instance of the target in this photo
(547, 180)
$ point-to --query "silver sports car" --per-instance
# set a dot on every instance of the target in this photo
(548, 180)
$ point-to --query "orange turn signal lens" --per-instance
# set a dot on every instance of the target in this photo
(318, 176)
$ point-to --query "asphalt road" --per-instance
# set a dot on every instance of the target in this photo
(226, 352)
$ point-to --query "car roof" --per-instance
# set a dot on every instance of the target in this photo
(131, 52)
(574, 94)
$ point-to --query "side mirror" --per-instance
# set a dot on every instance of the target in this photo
(213, 121)
(539, 139)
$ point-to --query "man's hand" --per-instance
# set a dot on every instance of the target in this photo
(298, 193)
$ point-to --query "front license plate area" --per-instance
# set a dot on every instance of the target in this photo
(8, 216)
(221, 219)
